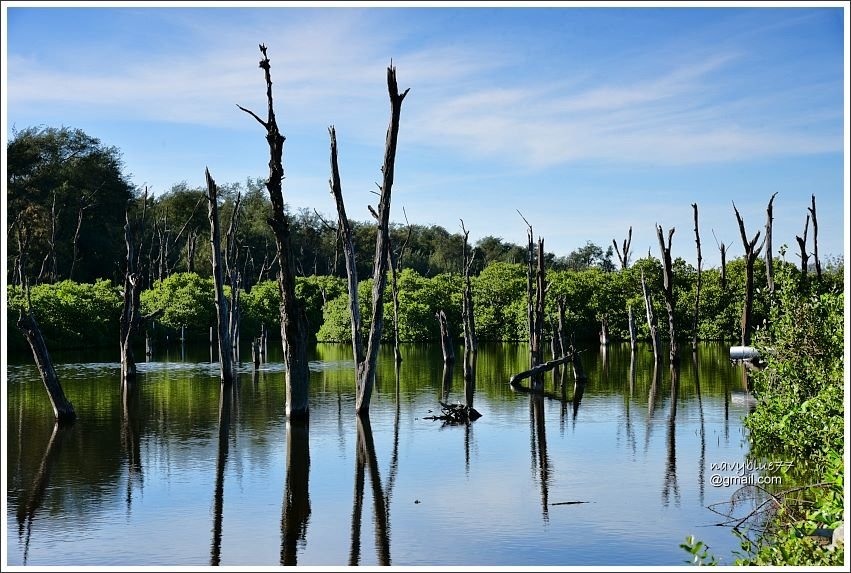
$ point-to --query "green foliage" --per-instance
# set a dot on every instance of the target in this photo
(71, 315)
(85, 178)
(499, 302)
(699, 552)
(186, 299)
(800, 411)
(788, 540)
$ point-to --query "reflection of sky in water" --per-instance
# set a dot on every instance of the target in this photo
(485, 512)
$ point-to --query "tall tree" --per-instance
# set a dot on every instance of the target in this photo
(367, 358)
(71, 189)
(293, 317)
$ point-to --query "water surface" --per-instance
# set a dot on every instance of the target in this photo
(178, 473)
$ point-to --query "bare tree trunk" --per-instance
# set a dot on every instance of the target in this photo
(445, 338)
(234, 278)
(668, 290)
(130, 307)
(699, 270)
(293, 318)
(769, 254)
(394, 288)
(225, 351)
(604, 329)
(633, 344)
(751, 254)
(723, 267)
(191, 242)
(812, 211)
(651, 318)
(50, 258)
(295, 515)
(366, 361)
(63, 410)
(623, 257)
(471, 343)
(805, 258)
(75, 241)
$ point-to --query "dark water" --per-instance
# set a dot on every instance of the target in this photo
(180, 474)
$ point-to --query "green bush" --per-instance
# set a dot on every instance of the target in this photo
(70, 314)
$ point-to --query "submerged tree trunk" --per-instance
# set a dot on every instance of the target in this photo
(130, 307)
(668, 290)
(633, 344)
(471, 343)
(699, 270)
(63, 410)
(366, 359)
(651, 318)
(293, 318)
(604, 329)
(222, 307)
(445, 338)
(751, 254)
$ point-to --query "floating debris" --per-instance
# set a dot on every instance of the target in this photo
(456, 414)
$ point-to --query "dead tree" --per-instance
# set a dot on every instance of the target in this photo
(751, 254)
(85, 203)
(699, 270)
(366, 358)
(668, 290)
(49, 260)
(471, 343)
(723, 248)
(633, 343)
(769, 254)
(445, 338)
(805, 257)
(535, 292)
(812, 211)
(293, 318)
(63, 410)
(651, 318)
(395, 268)
(222, 307)
(130, 307)
(623, 257)
(234, 279)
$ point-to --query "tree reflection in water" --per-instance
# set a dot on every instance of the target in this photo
(29, 505)
(671, 466)
(365, 460)
(296, 507)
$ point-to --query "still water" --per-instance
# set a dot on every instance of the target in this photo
(179, 473)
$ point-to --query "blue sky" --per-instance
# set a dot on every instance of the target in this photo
(588, 120)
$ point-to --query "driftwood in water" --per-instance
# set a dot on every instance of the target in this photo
(668, 290)
(699, 270)
(812, 211)
(540, 369)
(222, 306)
(456, 414)
(445, 337)
(751, 254)
(293, 318)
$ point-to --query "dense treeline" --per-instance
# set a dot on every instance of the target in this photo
(80, 314)
(65, 184)
(68, 195)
